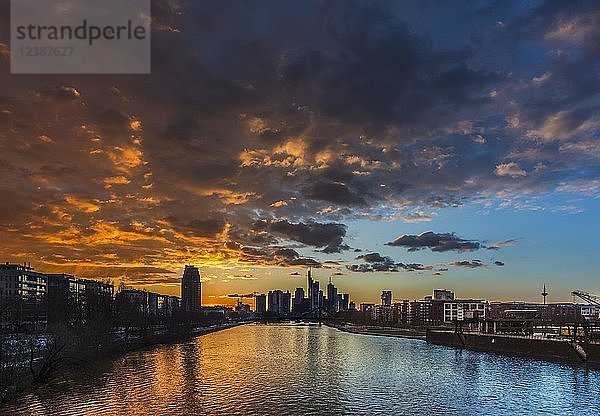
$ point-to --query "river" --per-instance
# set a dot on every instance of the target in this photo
(287, 369)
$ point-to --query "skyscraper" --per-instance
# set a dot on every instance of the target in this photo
(317, 296)
(345, 302)
(298, 300)
(332, 301)
(386, 298)
(279, 302)
(286, 303)
(191, 290)
(261, 303)
(443, 294)
(309, 289)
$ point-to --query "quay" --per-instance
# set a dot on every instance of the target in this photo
(531, 346)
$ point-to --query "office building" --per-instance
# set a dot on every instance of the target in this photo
(386, 298)
(316, 299)
(443, 294)
(345, 303)
(260, 305)
(298, 302)
(332, 298)
(461, 310)
(279, 302)
(191, 289)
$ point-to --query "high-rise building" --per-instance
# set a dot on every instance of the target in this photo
(332, 300)
(313, 291)
(298, 302)
(386, 298)
(443, 294)
(261, 303)
(191, 289)
(340, 302)
(279, 302)
(298, 295)
(310, 283)
(316, 299)
(345, 302)
(286, 303)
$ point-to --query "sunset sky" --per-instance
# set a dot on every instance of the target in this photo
(392, 145)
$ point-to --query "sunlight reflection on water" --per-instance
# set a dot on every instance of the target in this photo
(310, 370)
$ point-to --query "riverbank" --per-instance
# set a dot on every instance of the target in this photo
(80, 358)
(553, 349)
(381, 331)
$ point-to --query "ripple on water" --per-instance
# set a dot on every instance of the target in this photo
(310, 370)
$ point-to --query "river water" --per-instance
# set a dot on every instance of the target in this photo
(310, 370)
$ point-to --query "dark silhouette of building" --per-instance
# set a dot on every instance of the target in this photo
(332, 298)
(386, 298)
(22, 296)
(443, 294)
(191, 290)
(298, 302)
(78, 301)
(279, 302)
(345, 305)
(260, 303)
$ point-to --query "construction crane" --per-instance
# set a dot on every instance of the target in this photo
(242, 297)
(588, 297)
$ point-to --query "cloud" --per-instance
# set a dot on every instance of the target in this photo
(511, 169)
(375, 262)
(242, 277)
(201, 227)
(334, 192)
(499, 244)
(435, 242)
(329, 235)
(373, 258)
(468, 264)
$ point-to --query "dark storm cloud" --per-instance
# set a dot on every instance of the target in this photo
(375, 262)
(277, 256)
(435, 242)
(286, 252)
(337, 193)
(207, 227)
(373, 258)
(300, 116)
(329, 235)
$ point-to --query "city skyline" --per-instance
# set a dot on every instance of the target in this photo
(386, 148)
(190, 286)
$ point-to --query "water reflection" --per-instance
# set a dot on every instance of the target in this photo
(311, 370)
